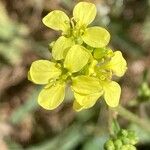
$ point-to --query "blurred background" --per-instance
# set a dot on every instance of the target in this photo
(23, 39)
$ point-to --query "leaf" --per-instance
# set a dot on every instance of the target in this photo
(117, 64)
(57, 20)
(60, 47)
(86, 85)
(84, 13)
(76, 58)
(112, 93)
(96, 37)
(50, 98)
(41, 71)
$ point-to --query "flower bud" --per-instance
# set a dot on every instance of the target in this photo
(128, 147)
(109, 145)
(125, 140)
(118, 144)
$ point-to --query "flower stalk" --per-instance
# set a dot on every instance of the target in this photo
(133, 118)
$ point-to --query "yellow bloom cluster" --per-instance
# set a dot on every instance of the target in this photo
(81, 58)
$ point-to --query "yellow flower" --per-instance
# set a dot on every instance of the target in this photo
(74, 30)
(117, 64)
(54, 77)
(46, 72)
(87, 90)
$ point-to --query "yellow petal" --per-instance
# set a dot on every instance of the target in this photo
(86, 85)
(57, 20)
(61, 47)
(76, 106)
(41, 71)
(96, 37)
(117, 64)
(29, 76)
(112, 93)
(87, 101)
(76, 58)
(84, 13)
(50, 98)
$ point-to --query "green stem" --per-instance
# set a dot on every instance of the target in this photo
(113, 125)
(145, 124)
(110, 120)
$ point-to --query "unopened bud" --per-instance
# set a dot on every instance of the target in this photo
(118, 144)
(109, 145)
(128, 147)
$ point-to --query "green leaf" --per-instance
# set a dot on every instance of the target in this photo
(52, 97)
(112, 93)
(76, 58)
(41, 71)
(60, 47)
(57, 20)
(84, 13)
(96, 37)
(86, 85)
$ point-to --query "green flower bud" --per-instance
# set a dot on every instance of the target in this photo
(133, 141)
(125, 140)
(144, 92)
(118, 144)
(109, 145)
(132, 137)
(124, 132)
(128, 147)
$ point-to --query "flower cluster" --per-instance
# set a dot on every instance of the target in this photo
(125, 140)
(81, 59)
